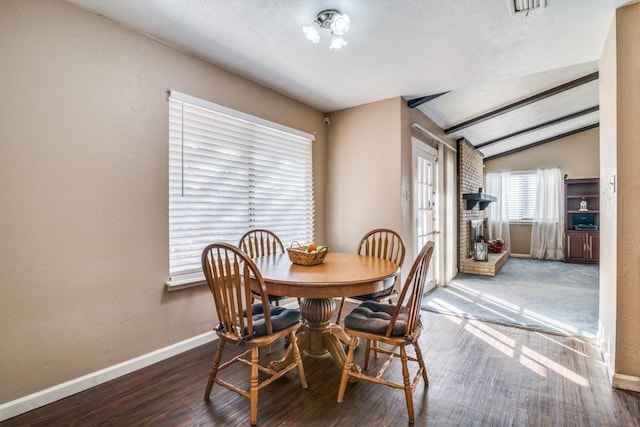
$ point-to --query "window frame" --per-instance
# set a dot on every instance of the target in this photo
(238, 155)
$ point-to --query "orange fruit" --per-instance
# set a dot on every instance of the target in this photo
(312, 247)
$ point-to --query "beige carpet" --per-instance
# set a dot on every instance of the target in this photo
(547, 296)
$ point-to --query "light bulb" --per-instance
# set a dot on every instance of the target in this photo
(337, 42)
(340, 24)
(311, 33)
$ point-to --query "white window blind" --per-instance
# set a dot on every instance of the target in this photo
(230, 172)
(521, 196)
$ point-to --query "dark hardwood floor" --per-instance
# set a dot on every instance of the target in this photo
(480, 375)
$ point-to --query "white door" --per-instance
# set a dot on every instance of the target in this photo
(426, 193)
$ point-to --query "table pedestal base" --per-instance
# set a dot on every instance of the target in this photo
(318, 336)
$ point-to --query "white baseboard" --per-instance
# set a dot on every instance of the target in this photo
(623, 382)
(626, 382)
(512, 255)
(66, 389)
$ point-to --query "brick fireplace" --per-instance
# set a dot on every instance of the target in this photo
(470, 167)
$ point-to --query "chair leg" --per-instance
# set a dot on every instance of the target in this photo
(214, 368)
(425, 376)
(367, 354)
(253, 392)
(298, 359)
(408, 393)
(340, 311)
(347, 368)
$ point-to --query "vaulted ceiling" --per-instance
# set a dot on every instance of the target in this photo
(500, 118)
(502, 80)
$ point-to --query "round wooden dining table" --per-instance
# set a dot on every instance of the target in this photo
(340, 275)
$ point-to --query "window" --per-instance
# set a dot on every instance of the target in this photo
(521, 193)
(230, 172)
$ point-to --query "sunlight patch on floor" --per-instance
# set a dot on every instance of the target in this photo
(440, 304)
(497, 313)
(493, 332)
(455, 319)
(493, 342)
(555, 324)
(488, 297)
(533, 366)
(449, 291)
(495, 305)
(554, 366)
(529, 358)
(464, 288)
(556, 342)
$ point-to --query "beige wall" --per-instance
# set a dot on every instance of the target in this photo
(363, 172)
(577, 156)
(520, 235)
(627, 197)
(369, 172)
(83, 190)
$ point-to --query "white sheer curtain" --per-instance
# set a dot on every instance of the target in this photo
(497, 185)
(548, 219)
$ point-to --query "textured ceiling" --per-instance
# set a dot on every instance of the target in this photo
(478, 51)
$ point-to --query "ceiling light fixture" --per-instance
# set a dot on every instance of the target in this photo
(334, 21)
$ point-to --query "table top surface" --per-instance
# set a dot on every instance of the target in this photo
(340, 275)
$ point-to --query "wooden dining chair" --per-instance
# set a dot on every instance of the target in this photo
(381, 243)
(396, 326)
(229, 273)
(260, 242)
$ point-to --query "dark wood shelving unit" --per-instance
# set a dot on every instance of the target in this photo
(582, 220)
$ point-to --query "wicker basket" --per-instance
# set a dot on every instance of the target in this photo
(300, 256)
